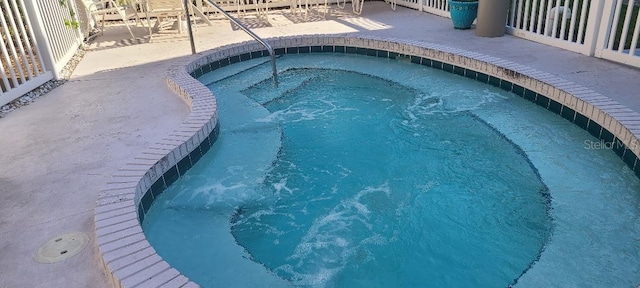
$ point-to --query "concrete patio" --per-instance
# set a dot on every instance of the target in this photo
(60, 151)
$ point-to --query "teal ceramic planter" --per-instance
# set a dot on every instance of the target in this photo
(463, 13)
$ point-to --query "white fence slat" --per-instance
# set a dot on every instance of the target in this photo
(583, 24)
(546, 13)
(437, 7)
(625, 26)
(5, 53)
(540, 14)
(512, 14)
(614, 28)
(572, 24)
(21, 58)
(532, 17)
(519, 15)
(35, 64)
(6, 86)
(527, 14)
(32, 43)
(634, 40)
(563, 24)
(556, 13)
(26, 49)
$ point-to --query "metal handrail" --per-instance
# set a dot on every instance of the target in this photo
(272, 54)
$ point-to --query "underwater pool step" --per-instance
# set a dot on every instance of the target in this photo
(264, 96)
(245, 149)
(233, 70)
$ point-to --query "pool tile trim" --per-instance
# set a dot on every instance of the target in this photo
(128, 258)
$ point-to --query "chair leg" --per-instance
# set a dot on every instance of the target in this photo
(132, 9)
(357, 6)
(146, 13)
(306, 10)
(244, 4)
(102, 25)
(293, 5)
(124, 19)
(138, 20)
(129, 28)
(180, 23)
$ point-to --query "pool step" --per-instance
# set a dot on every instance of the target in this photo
(232, 70)
(263, 96)
(243, 153)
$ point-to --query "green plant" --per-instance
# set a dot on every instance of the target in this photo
(70, 23)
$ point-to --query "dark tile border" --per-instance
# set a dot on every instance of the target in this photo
(175, 172)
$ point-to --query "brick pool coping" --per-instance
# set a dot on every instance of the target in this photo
(130, 261)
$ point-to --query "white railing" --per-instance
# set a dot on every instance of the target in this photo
(61, 41)
(567, 24)
(35, 44)
(437, 7)
(21, 67)
(603, 28)
(413, 4)
(619, 33)
(608, 29)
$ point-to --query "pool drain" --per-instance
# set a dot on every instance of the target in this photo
(61, 247)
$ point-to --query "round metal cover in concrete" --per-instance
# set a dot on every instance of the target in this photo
(61, 247)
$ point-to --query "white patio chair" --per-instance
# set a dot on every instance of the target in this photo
(109, 7)
(356, 5)
(293, 5)
(321, 8)
(163, 9)
(393, 4)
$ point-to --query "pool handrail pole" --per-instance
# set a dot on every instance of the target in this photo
(272, 54)
(189, 28)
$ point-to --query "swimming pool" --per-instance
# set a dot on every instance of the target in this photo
(132, 254)
(437, 181)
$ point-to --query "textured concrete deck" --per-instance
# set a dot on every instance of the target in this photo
(58, 153)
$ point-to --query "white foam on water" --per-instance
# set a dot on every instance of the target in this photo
(464, 100)
(212, 191)
(427, 186)
(329, 244)
(319, 278)
(282, 186)
(297, 112)
(235, 168)
(291, 114)
(376, 239)
(447, 102)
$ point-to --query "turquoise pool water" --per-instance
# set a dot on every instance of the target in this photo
(342, 177)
